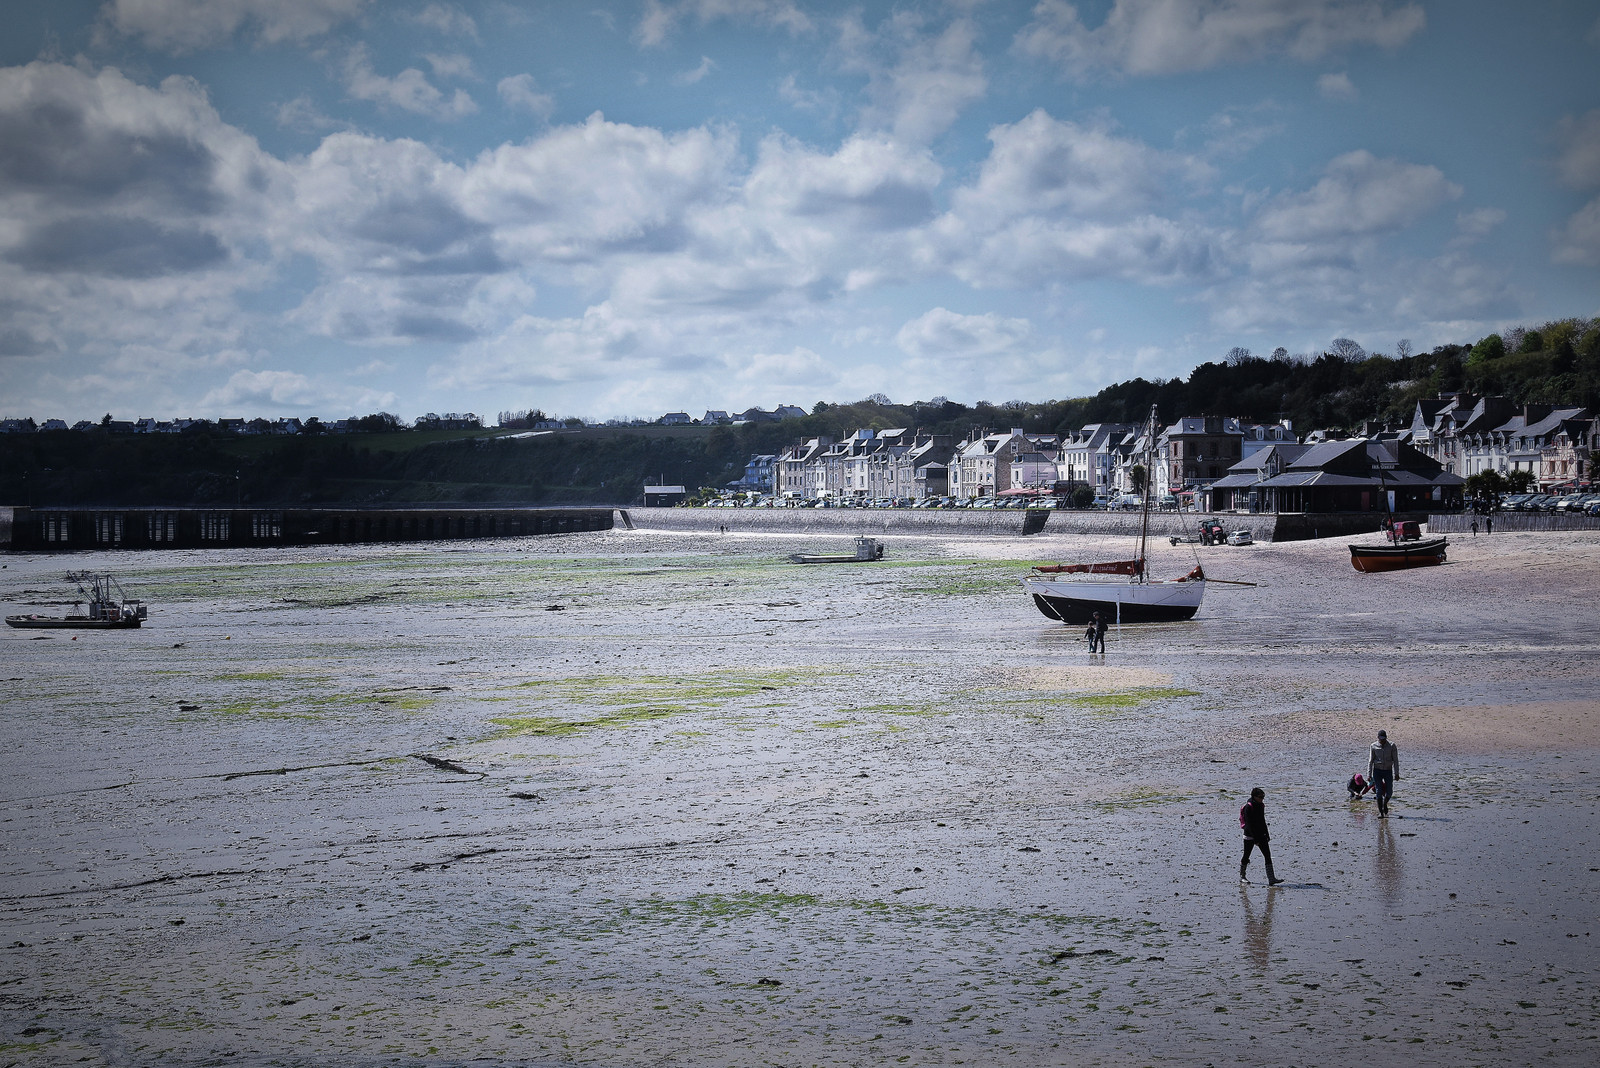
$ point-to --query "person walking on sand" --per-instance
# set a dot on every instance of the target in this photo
(1488, 524)
(1097, 634)
(1383, 768)
(1474, 526)
(1253, 822)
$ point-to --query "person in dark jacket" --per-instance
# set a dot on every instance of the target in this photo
(1096, 633)
(1253, 822)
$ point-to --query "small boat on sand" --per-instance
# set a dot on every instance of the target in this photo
(1402, 554)
(109, 608)
(867, 549)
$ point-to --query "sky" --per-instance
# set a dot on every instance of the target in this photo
(616, 209)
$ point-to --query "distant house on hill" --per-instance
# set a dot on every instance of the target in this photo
(715, 418)
(676, 419)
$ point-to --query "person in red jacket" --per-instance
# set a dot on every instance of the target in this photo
(1253, 822)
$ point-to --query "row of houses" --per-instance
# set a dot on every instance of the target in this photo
(1469, 434)
(1100, 457)
(1211, 462)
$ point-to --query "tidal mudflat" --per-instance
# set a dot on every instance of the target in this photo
(644, 799)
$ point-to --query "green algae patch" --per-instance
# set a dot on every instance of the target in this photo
(522, 726)
(968, 578)
(312, 706)
(1138, 797)
(707, 691)
(1124, 700)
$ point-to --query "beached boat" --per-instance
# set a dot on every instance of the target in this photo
(867, 549)
(1401, 554)
(1122, 591)
(109, 608)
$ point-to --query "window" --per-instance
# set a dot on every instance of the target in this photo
(214, 526)
(266, 525)
(57, 528)
(161, 527)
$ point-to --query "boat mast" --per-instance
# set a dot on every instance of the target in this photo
(1149, 484)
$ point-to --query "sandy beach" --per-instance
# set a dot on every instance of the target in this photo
(636, 798)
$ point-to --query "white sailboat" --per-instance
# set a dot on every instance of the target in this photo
(1122, 591)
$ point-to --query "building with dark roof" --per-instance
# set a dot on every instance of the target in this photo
(1338, 476)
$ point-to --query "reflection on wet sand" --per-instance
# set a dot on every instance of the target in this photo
(1258, 928)
(1387, 866)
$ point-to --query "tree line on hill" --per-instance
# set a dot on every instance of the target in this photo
(1340, 389)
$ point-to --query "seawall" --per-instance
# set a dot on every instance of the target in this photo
(1509, 521)
(1003, 522)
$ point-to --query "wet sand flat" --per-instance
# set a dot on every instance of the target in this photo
(638, 798)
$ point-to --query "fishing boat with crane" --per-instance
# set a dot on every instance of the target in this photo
(1122, 591)
(108, 608)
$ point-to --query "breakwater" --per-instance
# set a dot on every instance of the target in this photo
(65, 529)
(999, 522)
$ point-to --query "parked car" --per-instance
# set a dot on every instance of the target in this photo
(1129, 502)
(1240, 537)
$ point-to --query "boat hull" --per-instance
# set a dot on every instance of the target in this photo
(1075, 602)
(70, 623)
(1398, 557)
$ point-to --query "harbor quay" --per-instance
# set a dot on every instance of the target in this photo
(63, 529)
(1286, 526)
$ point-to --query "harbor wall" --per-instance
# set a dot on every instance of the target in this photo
(1458, 523)
(1001, 522)
(67, 529)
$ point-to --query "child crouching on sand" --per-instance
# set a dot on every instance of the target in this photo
(1358, 786)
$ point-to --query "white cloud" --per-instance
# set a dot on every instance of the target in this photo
(1578, 242)
(1359, 194)
(133, 216)
(1579, 161)
(188, 25)
(1153, 37)
(450, 65)
(255, 391)
(919, 81)
(776, 370)
(1337, 87)
(580, 192)
(521, 93)
(944, 334)
(409, 90)
(693, 77)
(446, 19)
(1040, 164)
(661, 17)
(1472, 226)
(1056, 199)
(303, 115)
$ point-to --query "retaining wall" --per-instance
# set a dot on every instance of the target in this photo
(1003, 521)
(1509, 521)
